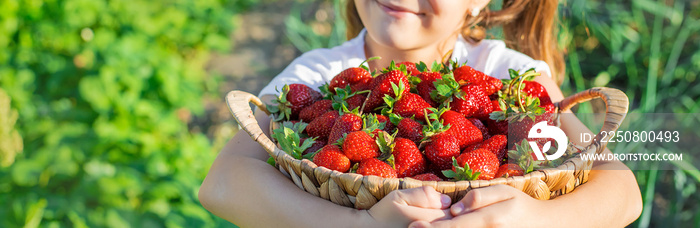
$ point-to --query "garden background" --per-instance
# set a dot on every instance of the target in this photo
(111, 112)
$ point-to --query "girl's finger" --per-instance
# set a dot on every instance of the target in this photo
(482, 197)
(484, 217)
(423, 197)
(423, 214)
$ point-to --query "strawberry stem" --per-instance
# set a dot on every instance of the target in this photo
(362, 65)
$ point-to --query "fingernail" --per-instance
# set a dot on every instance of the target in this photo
(445, 200)
(457, 208)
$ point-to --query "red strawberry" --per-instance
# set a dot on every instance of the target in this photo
(480, 125)
(429, 76)
(468, 74)
(426, 86)
(344, 124)
(357, 77)
(441, 149)
(314, 110)
(427, 177)
(356, 101)
(479, 160)
(332, 158)
(509, 170)
(491, 85)
(373, 166)
(321, 126)
(519, 130)
(410, 129)
(407, 158)
(546, 103)
(359, 145)
(496, 127)
(461, 128)
(534, 89)
(292, 100)
(410, 67)
(409, 105)
(381, 86)
(474, 103)
(496, 145)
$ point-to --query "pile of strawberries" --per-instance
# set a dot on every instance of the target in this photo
(448, 121)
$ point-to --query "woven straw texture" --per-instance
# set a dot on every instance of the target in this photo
(354, 190)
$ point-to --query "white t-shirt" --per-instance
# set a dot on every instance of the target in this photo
(316, 67)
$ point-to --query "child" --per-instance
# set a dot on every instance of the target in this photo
(242, 188)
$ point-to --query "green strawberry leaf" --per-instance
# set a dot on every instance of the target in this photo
(434, 126)
(289, 138)
(341, 96)
(395, 119)
(414, 80)
(385, 142)
(464, 173)
(391, 161)
(522, 156)
(282, 111)
(422, 67)
(325, 91)
(513, 73)
(371, 123)
(436, 67)
(449, 174)
(497, 115)
(354, 168)
(341, 140)
(443, 90)
(271, 161)
(310, 156)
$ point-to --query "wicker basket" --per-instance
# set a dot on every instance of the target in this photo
(354, 190)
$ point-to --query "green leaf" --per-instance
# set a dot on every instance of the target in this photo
(449, 174)
(422, 67)
(271, 161)
(35, 214)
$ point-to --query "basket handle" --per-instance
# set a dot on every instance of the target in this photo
(238, 103)
(616, 105)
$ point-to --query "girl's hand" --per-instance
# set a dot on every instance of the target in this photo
(399, 208)
(494, 206)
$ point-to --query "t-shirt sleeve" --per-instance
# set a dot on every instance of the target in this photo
(539, 65)
(307, 69)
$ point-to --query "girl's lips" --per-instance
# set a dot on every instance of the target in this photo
(396, 11)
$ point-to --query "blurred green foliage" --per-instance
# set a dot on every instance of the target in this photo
(104, 92)
(649, 49)
(10, 140)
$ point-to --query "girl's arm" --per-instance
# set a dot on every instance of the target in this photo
(242, 188)
(610, 198)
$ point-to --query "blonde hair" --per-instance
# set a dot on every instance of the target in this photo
(529, 26)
